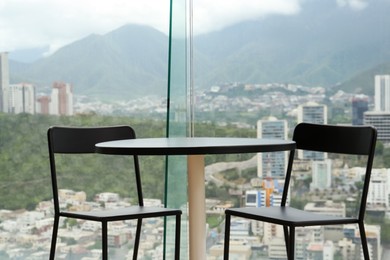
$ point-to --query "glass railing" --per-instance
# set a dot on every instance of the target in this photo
(177, 119)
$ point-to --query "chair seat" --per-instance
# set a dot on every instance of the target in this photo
(133, 212)
(289, 216)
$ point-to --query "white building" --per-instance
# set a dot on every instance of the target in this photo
(382, 93)
(381, 121)
(312, 113)
(91, 226)
(4, 81)
(327, 207)
(21, 98)
(331, 232)
(277, 249)
(329, 250)
(322, 174)
(27, 220)
(107, 197)
(272, 164)
(380, 117)
(379, 191)
(272, 232)
(239, 227)
(71, 197)
(347, 249)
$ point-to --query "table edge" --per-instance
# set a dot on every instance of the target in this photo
(287, 145)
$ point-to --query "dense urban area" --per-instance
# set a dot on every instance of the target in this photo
(26, 234)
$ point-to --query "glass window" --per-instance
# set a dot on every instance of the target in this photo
(85, 63)
(257, 64)
(246, 64)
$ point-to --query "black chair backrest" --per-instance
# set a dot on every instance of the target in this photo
(354, 140)
(357, 140)
(83, 140)
(76, 140)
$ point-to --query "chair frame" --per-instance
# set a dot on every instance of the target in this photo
(73, 140)
(354, 140)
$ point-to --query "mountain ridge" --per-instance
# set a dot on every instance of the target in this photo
(132, 60)
(102, 67)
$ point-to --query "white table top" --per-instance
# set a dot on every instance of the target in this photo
(193, 145)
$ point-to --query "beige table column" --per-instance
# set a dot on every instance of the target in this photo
(196, 207)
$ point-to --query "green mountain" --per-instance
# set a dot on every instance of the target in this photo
(364, 82)
(324, 44)
(131, 60)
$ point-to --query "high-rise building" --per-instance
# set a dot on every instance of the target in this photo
(380, 117)
(381, 121)
(322, 174)
(4, 81)
(313, 113)
(21, 98)
(382, 93)
(316, 114)
(379, 192)
(270, 194)
(272, 164)
(359, 106)
(61, 99)
(43, 105)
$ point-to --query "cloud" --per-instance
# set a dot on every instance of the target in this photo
(37, 23)
(353, 4)
(215, 15)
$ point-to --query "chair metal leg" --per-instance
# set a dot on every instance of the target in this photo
(227, 237)
(104, 241)
(291, 247)
(177, 237)
(54, 237)
(137, 238)
(364, 241)
(286, 238)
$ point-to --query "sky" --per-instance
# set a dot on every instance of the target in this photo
(26, 24)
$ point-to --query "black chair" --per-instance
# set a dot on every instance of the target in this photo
(353, 140)
(67, 140)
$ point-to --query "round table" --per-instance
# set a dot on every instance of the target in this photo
(195, 148)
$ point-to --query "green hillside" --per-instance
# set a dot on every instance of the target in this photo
(24, 162)
(364, 82)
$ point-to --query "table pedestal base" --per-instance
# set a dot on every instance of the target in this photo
(197, 208)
